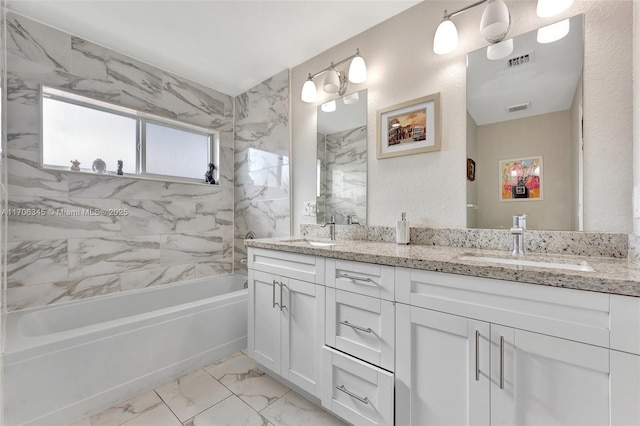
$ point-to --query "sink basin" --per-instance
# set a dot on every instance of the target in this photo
(579, 266)
(321, 243)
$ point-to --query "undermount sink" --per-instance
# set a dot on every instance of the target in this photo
(578, 266)
(322, 243)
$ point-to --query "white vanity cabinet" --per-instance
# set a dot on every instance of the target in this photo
(503, 353)
(286, 315)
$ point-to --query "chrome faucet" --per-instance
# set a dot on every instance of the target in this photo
(517, 231)
(332, 227)
(350, 220)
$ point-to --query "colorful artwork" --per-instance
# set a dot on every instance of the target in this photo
(521, 179)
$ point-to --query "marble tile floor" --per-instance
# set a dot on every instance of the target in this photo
(232, 391)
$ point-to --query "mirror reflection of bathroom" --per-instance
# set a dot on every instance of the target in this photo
(342, 159)
(524, 130)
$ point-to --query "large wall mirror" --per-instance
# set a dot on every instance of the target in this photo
(342, 159)
(524, 130)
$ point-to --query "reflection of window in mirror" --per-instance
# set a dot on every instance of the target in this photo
(342, 160)
(523, 104)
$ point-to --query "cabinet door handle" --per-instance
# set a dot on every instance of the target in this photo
(357, 327)
(281, 299)
(364, 400)
(273, 295)
(501, 362)
(477, 356)
(352, 277)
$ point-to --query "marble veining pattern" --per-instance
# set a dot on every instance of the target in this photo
(216, 395)
(261, 158)
(171, 231)
(634, 248)
(610, 275)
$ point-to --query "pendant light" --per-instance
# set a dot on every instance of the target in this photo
(331, 80)
(309, 91)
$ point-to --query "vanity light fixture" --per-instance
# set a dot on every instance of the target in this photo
(547, 8)
(494, 26)
(335, 81)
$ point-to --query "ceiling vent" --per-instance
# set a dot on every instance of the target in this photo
(520, 60)
(519, 107)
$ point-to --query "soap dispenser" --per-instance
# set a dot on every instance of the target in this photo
(402, 230)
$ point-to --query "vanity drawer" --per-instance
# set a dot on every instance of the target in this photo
(293, 265)
(356, 391)
(361, 326)
(362, 278)
(571, 314)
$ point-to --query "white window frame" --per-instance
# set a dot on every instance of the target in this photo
(142, 119)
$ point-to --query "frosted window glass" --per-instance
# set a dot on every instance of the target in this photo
(74, 132)
(176, 152)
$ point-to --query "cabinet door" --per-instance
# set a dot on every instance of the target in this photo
(302, 333)
(437, 357)
(543, 380)
(264, 319)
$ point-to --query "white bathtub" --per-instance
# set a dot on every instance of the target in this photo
(64, 361)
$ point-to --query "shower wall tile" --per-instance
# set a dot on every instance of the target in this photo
(158, 217)
(40, 218)
(152, 277)
(37, 43)
(177, 249)
(262, 181)
(36, 262)
(171, 232)
(82, 185)
(110, 255)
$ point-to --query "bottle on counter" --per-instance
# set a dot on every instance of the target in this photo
(402, 230)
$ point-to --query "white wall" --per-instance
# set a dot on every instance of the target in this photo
(636, 115)
(402, 66)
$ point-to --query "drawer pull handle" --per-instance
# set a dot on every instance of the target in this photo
(501, 362)
(352, 277)
(364, 400)
(357, 327)
(281, 299)
(273, 295)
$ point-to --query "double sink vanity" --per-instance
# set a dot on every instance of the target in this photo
(422, 334)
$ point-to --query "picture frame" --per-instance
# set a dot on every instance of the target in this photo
(412, 127)
(471, 169)
(520, 179)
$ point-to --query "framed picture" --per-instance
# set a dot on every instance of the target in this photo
(471, 169)
(409, 128)
(521, 179)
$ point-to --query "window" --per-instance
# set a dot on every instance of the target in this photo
(79, 128)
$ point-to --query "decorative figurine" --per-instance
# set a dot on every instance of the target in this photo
(75, 165)
(208, 177)
(99, 166)
(120, 164)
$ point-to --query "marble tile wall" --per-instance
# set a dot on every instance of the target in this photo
(171, 232)
(345, 176)
(262, 163)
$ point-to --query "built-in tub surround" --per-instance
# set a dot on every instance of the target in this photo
(262, 187)
(171, 232)
(65, 361)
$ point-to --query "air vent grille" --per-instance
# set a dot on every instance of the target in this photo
(519, 107)
(520, 60)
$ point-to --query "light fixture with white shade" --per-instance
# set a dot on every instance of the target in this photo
(351, 99)
(335, 81)
(547, 8)
(328, 106)
(495, 21)
(494, 25)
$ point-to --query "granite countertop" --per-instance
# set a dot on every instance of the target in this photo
(609, 275)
